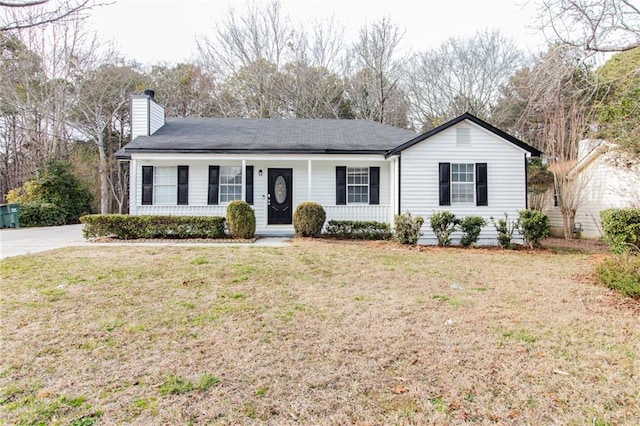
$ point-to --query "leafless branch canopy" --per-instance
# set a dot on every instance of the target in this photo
(22, 14)
(593, 25)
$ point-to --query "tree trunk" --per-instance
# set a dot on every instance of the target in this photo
(104, 176)
(568, 223)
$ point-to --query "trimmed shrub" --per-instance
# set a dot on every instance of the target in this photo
(407, 228)
(621, 273)
(127, 227)
(533, 226)
(443, 224)
(358, 230)
(471, 226)
(621, 229)
(41, 214)
(241, 219)
(308, 219)
(505, 229)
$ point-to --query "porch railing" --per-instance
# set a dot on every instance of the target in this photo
(182, 210)
(358, 212)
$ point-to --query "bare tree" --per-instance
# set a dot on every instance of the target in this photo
(549, 103)
(570, 192)
(40, 12)
(592, 25)
(103, 94)
(36, 96)
(261, 33)
(462, 75)
(377, 69)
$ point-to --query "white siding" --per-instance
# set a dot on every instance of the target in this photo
(604, 185)
(147, 116)
(506, 179)
(139, 116)
(156, 116)
(323, 190)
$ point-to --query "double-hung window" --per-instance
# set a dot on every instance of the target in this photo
(230, 183)
(165, 185)
(462, 182)
(357, 185)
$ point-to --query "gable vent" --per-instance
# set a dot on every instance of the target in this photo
(463, 136)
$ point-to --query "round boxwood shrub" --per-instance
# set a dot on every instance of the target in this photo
(308, 219)
(241, 219)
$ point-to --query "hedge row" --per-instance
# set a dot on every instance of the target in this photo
(127, 227)
(621, 229)
(358, 230)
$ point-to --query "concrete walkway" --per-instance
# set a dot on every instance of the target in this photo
(16, 242)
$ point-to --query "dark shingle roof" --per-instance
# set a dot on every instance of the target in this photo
(195, 135)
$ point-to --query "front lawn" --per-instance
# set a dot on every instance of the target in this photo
(319, 333)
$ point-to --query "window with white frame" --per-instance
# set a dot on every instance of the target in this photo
(230, 184)
(462, 183)
(357, 185)
(165, 185)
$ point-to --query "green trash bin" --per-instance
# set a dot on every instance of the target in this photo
(4, 211)
(9, 215)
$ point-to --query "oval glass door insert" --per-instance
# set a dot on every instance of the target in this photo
(280, 189)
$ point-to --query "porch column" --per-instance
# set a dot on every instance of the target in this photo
(134, 187)
(308, 180)
(243, 173)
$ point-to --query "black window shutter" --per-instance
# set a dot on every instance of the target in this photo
(481, 185)
(183, 185)
(341, 185)
(248, 183)
(214, 174)
(374, 185)
(147, 185)
(444, 184)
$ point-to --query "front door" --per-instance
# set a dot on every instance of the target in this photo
(279, 197)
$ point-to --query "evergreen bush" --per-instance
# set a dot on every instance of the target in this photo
(241, 219)
(53, 185)
(308, 219)
(443, 224)
(358, 230)
(127, 227)
(471, 226)
(621, 229)
(407, 228)
(41, 214)
(533, 226)
(621, 273)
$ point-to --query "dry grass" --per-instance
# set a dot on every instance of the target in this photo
(317, 333)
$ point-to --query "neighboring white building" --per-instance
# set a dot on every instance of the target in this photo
(356, 169)
(606, 179)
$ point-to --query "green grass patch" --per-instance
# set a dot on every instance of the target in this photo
(450, 300)
(175, 385)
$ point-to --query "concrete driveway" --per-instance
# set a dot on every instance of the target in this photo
(16, 242)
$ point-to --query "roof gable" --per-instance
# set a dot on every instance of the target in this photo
(466, 116)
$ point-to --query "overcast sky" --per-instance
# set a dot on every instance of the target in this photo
(153, 31)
